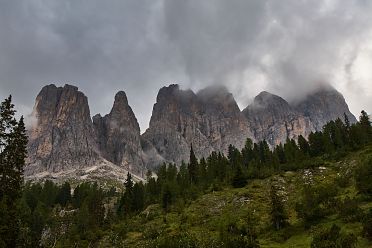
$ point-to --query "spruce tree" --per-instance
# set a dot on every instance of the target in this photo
(239, 180)
(167, 197)
(13, 141)
(304, 145)
(64, 194)
(126, 201)
(193, 166)
(138, 200)
(366, 128)
(279, 218)
(247, 151)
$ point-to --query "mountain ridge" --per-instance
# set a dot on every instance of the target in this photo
(67, 137)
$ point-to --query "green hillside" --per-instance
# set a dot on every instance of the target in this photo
(314, 192)
(200, 222)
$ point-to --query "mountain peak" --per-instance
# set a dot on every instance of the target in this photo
(323, 105)
(266, 99)
(121, 96)
(120, 101)
(118, 136)
(213, 90)
(70, 87)
(63, 137)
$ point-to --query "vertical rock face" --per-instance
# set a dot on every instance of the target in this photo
(62, 136)
(274, 120)
(118, 136)
(209, 120)
(223, 123)
(324, 105)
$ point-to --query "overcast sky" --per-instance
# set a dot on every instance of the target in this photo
(287, 47)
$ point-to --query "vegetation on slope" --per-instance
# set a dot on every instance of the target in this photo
(309, 193)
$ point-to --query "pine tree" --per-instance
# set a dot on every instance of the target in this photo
(193, 166)
(138, 200)
(126, 201)
(167, 197)
(239, 180)
(365, 125)
(279, 150)
(279, 218)
(247, 152)
(64, 194)
(304, 145)
(13, 141)
(346, 121)
(317, 144)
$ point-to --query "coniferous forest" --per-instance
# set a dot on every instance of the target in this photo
(314, 192)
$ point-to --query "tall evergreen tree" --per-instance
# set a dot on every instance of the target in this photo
(193, 166)
(13, 141)
(304, 145)
(64, 194)
(138, 200)
(126, 201)
(247, 151)
(365, 125)
(279, 218)
(239, 180)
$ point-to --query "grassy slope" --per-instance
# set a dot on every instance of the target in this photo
(203, 217)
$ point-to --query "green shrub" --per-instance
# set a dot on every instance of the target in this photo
(367, 225)
(363, 175)
(333, 238)
(349, 210)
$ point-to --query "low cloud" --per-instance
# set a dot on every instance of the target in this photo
(287, 47)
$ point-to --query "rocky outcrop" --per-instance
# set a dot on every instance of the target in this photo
(274, 120)
(118, 136)
(324, 105)
(62, 136)
(209, 120)
(65, 141)
(223, 123)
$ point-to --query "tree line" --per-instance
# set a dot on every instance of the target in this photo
(256, 160)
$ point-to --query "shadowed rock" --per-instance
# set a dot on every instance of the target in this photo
(324, 105)
(274, 120)
(62, 136)
(209, 120)
(118, 136)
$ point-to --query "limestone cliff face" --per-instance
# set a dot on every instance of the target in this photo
(209, 120)
(324, 105)
(223, 123)
(118, 136)
(274, 120)
(62, 136)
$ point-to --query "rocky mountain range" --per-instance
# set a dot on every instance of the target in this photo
(65, 140)
(209, 120)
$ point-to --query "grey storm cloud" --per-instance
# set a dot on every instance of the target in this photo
(288, 47)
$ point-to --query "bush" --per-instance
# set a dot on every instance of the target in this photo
(316, 202)
(333, 238)
(239, 233)
(344, 176)
(363, 175)
(367, 225)
(349, 210)
(180, 240)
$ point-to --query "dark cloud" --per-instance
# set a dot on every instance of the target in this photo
(288, 47)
